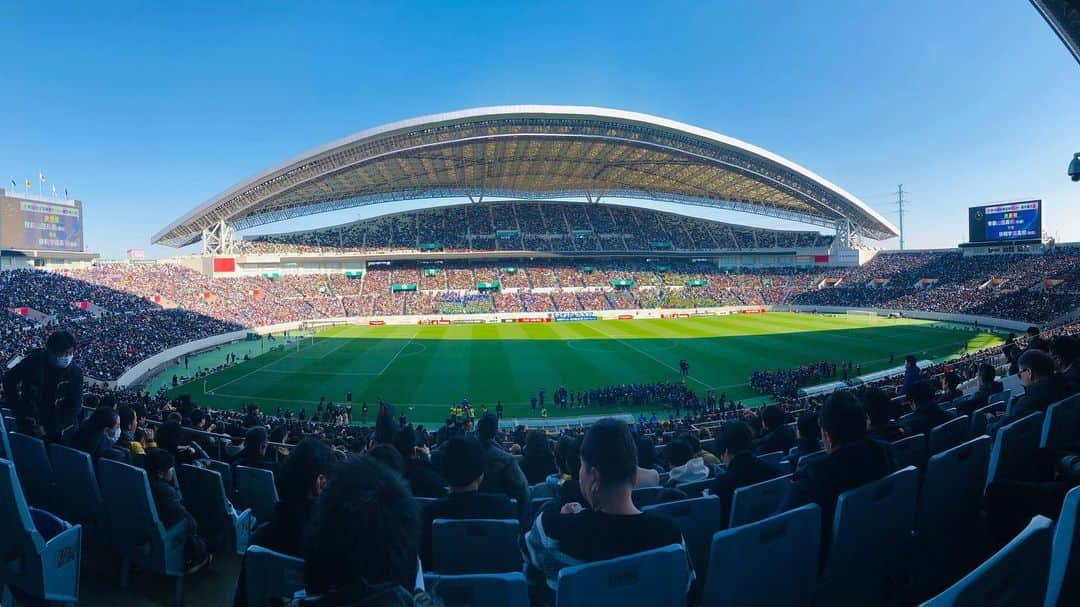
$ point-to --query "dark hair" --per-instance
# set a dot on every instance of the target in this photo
(255, 438)
(197, 416)
(462, 460)
(678, 452)
(101, 418)
(735, 437)
(1040, 363)
(60, 341)
(773, 417)
(609, 448)
(365, 528)
(1064, 347)
(568, 455)
(405, 441)
(809, 429)
(952, 380)
(169, 435)
(877, 404)
(1033, 330)
(389, 456)
(910, 358)
(127, 415)
(487, 427)
(920, 392)
(537, 443)
(987, 373)
(646, 450)
(157, 461)
(842, 418)
(296, 475)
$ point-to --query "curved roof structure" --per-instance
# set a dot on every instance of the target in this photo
(532, 152)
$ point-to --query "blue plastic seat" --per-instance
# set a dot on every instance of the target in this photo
(540, 490)
(1064, 584)
(255, 490)
(82, 502)
(950, 434)
(758, 501)
(45, 570)
(695, 488)
(871, 542)
(948, 512)
(465, 546)
(656, 577)
(1004, 397)
(1062, 424)
(536, 504)
(135, 531)
(5, 448)
(698, 519)
(744, 561)
(809, 458)
(479, 590)
(270, 575)
(978, 418)
(1013, 455)
(226, 472)
(646, 496)
(34, 470)
(1014, 575)
(773, 458)
(909, 451)
(223, 526)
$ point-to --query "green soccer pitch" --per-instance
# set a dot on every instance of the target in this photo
(423, 370)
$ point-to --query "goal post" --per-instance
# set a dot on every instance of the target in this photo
(867, 315)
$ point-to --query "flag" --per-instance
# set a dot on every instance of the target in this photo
(13, 184)
(54, 189)
(65, 193)
(41, 176)
(29, 183)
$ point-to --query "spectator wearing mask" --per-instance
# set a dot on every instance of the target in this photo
(778, 436)
(423, 477)
(47, 386)
(880, 424)
(98, 433)
(685, 468)
(1042, 388)
(159, 466)
(537, 461)
(927, 414)
(129, 426)
(734, 441)
(501, 472)
(988, 386)
(808, 435)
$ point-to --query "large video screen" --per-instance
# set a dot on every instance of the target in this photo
(1005, 222)
(34, 225)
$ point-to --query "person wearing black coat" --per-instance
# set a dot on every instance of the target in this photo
(46, 386)
(927, 415)
(988, 386)
(98, 433)
(1042, 388)
(424, 478)
(778, 436)
(159, 465)
(734, 442)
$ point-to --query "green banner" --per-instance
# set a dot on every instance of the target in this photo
(487, 285)
(270, 275)
(660, 244)
(622, 283)
(431, 271)
(431, 246)
(510, 270)
(402, 287)
(697, 282)
(587, 269)
(506, 233)
(662, 268)
(354, 273)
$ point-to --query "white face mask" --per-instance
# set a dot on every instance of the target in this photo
(64, 361)
(114, 434)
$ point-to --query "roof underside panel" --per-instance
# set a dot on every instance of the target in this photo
(542, 153)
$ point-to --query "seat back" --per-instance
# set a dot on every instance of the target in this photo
(5, 448)
(1064, 584)
(695, 488)
(34, 470)
(1005, 396)
(1013, 455)
(871, 541)
(536, 504)
(479, 590)
(978, 418)
(540, 490)
(226, 472)
(758, 501)
(698, 519)
(255, 489)
(16, 527)
(135, 530)
(809, 458)
(773, 458)
(950, 434)
(646, 496)
(744, 561)
(910, 451)
(1062, 424)
(475, 546)
(82, 502)
(204, 497)
(1014, 575)
(270, 575)
(655, 577)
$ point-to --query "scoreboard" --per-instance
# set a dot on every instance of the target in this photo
(41, 224)
(1005, 222)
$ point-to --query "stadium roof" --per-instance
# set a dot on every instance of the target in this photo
(532, 152)
(1063, 16)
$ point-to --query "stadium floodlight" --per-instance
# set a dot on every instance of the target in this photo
(1074, 167)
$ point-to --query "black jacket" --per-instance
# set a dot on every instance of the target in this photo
(424, 479)
(466, 505)
(779, 439)
(502, 474)
(170, 507)
(744, 469)
(927, 417)
(37, 388)
(886, 433)
(537, 467)
(1037, 397)
(978, 399)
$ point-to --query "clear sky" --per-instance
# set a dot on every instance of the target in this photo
(145, 109)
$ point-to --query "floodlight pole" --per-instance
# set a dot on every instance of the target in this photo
(900, 210)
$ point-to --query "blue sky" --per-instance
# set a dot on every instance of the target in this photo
(144, 110)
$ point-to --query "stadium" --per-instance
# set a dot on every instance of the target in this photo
(553, 362)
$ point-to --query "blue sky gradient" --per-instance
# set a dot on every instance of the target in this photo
(144, 110)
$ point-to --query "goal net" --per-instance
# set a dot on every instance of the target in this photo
(868, 315)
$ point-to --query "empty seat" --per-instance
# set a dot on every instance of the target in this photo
(223, 527)
(698, 519)
(1062, 424)
(646, 496)
(479, 590)
(950, 434)
(45, 570)
(744, 561)
(542, 490)
(910, 451)
(1064, 584)
(1014, 575)
(255, 490)
(226, 472)
(871, 541)
(773, 458)
(475, 546)
(758, 501)
(1013, 455)
(270, 575)
(82, 502)
(655, 577)
(695, 488)
(978, 418)
(34, 470)
(948, 511)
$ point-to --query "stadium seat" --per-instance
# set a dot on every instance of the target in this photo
(695, 488)
(646, 496)
(542, 490)
(773, 458)
(1062, 424)
(465, 546)
(135, 531)
(910, 451)
(226, 472)
(1064, 584)
(223, 527)
(755, 502)
(656, 577)
(1014, 575)
(978, 418)
(948, 510)
(950, 434)
(809, 458)
(698, 519)
(535, 506)
(5, 448)
(744, 561)
(479, 590)
(82, 502)
(424, 501)
(34, 470)
(255, 490)
(44, 570)
(1013, 455)
(871, 542)
(270, 575)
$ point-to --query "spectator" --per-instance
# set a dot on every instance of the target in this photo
(808, 438)
(734, 441)
(647, 474)
(1064, 351)
(685, 467)
(159, 465)
(778, 436)
(300, 480)
(1042, 388)
(950, 388)
(568, 458)
(423, 477)
(537, 461)
(911, 373)
(501, 472)
(170, 437)
(879, 416)
(253, 455)
(988, 386)
(98, 433)
(1035, 341)
(927, 415)
(129, 430)
(388, 456)
(46, 386)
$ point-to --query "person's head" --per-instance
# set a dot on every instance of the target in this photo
(678, 452)
(1035, 366)
(536, 443)
(129, 419)
(877, 405)
(463, 463)
(842, 421)
(909, 360)
(405, 441)
(158, 464)
(198, 419)
(61, 347)
(568, 455)
(104, 420)
(487, 427)
(1032, 331)
(646, 449)
(732, 439)
(773, 417)
(385, 425)
(365, 530)
(807, 427)
(389, 456)
(950, 382)
(987, 374)
(608, 461)
(920, 393)
(1063, 350)
(255, 440)
(301, 477)
(169, 435)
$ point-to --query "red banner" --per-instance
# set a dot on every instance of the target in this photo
(224, 264)
(821, 259)
(530, 319)
(626, 317)
(752, 311)
(376, 323)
